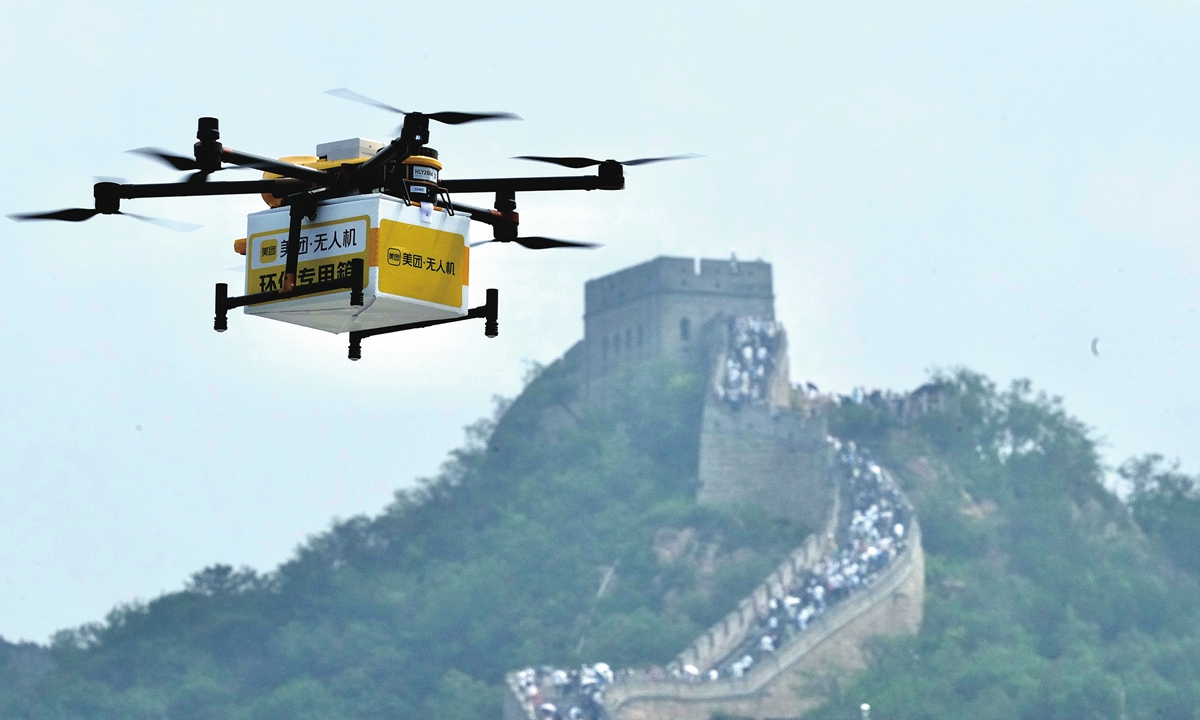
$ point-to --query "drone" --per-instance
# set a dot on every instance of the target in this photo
(363, 237)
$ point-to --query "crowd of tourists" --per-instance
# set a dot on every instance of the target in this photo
(862, 548)
(749, 360)
(871, 534)
(556, 694)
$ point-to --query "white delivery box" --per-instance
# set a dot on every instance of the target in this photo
(416, 259)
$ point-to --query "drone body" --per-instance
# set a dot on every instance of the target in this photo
(415, 258)
(364, 237)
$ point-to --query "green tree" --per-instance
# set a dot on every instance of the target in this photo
(1166, 504)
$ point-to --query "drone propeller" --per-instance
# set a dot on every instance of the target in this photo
(542, 243)
(582, 162)
(81, 214)
(179, 162)
(445, 117)
(66, 215)
(238, 160)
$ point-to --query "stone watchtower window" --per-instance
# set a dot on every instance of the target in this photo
(685, 329)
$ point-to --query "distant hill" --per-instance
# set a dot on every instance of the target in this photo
(1046, 596)
(560, 534)
(496, 563)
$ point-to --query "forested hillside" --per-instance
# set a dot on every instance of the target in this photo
(559, 535)
(1047, 597)
(497, 563)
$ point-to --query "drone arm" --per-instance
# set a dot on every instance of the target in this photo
(488, 217)
(604, 181)
(397, 149)
(279, 188)
(109, 195)
(381, 158)
(286, 169)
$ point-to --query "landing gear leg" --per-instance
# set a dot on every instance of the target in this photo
(489, 311)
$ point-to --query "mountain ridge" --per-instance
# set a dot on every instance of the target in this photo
(1046, 597)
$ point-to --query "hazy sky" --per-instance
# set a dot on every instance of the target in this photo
(936, 185)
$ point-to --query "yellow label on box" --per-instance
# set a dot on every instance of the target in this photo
(422, 263)
(325, 252)
(270, 279)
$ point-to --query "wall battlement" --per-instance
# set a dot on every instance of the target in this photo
(727, 634)
(726, 278)
(762, 453)
(797, 679)
(660, 309)
(752, 451)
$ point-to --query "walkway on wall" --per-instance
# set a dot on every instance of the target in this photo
(683, 689)
(822, 630)
(629, 688)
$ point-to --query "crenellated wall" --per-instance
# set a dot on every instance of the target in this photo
(800, 675)
(765, 454)
(659, 310)
(778, 461)
(768, 455)
(733, 629)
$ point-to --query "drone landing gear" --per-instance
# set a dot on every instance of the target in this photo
(353, 283)
(489, 311)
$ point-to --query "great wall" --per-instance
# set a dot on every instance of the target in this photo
(773, 452)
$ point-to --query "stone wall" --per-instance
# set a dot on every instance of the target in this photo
(658, 310)
(803, 672)
(764, 454)
(801, 675)
(767, 455)
(759, 455)
(733, 629)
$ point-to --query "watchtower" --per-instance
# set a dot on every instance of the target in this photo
(659, 309)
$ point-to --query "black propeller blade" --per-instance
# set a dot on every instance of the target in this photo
(66, 215)
(81, 214)
(542, 243)
(179, 162)
(449, 117)
(578, 163)
(186, 164)
(445, 117)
